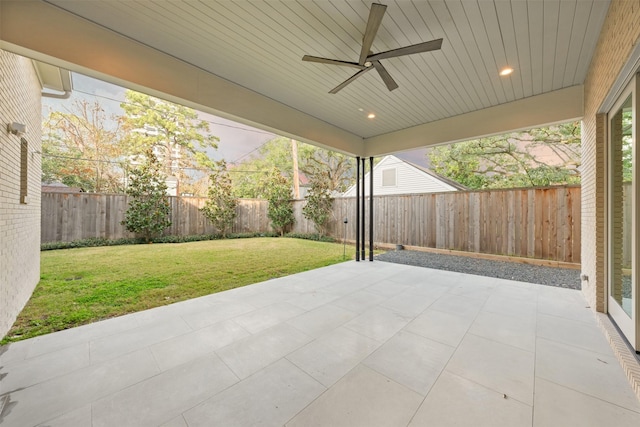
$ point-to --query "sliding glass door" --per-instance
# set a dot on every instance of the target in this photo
(623, 215)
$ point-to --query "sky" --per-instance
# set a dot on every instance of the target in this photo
(237, 141)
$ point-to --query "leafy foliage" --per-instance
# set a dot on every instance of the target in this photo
(149, 210)
(280, 210)
(250, 178)
(319, 203)
(220, 207)
(315, 237)
(100, 241)
(178, 137)
(80, 150)
(514, 160)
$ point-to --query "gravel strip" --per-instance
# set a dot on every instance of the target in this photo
(550, 276)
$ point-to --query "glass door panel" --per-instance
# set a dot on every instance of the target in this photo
(621, 212)
(624, 215)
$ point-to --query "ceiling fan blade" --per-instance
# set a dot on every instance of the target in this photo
(349, 80)
(408, 50)
(373, 23)
(386, 77)
(331, 61)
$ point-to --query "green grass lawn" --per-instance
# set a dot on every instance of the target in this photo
(79, 286)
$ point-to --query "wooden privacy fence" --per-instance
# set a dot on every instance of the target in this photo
(541, 223)
(74, 216)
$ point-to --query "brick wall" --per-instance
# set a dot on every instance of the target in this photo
(19, 223)
(620, 32)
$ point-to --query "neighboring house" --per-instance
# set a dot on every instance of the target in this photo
(396, 176)
(22, 83)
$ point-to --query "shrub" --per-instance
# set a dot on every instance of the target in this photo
(220, 207)
(280, 210)
(149, 210)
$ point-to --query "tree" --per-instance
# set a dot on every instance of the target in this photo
(319, 203)
(220, 207)
(333, 169)
(180, 139)
(80, 150)
(538, 157)
(280, 210)
(248, 176)
(149, 211)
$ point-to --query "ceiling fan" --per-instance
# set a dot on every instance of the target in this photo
(368, 59)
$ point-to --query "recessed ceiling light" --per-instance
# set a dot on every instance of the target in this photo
(360, 109)
(506, 71)
(371, 116)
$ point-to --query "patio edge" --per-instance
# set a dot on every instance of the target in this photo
(628, 360)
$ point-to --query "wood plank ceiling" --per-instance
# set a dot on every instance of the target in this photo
(259, 45)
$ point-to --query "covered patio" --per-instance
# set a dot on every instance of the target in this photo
(354, 344)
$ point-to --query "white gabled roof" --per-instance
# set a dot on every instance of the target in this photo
(410, 179)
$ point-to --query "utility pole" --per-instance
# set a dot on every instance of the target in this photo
(296, 178)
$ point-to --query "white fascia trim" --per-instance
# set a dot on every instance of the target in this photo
(553, 107)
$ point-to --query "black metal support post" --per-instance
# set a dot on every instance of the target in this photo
(362, 224)
(358, 208)
(370, 208)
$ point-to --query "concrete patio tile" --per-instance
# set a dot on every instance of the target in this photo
(455, 401)
(253, 353)
(184, 348)
(362, 398)
(595, 374)
(82, 334)
(24, 373)
(312, 299)
(178, 421)
(509, 330)
(561, 308)
(388, 288)
(180, 308)
(321, 320)
(457, 304)
(514, 307)
(270, 397)
(359, 301)
(410, 304)
(331, 356)
(555, 405)
(346, 287)
(14, 352)
(164, 396)
(268, 297)
(561, 294)
(266, 317)
(572, 332)
(472, 290)
(78, 417)
(517, 290)
(502, 368)
(378, 323)
(413, 276)
(217, 313)
(107, 348)
(411, 360)
(48, 400)
(447, 328)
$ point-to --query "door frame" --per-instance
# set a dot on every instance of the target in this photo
(628, 325)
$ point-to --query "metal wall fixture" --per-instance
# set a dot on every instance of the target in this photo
(16, 128)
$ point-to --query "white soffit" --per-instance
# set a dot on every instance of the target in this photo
(255, 49)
